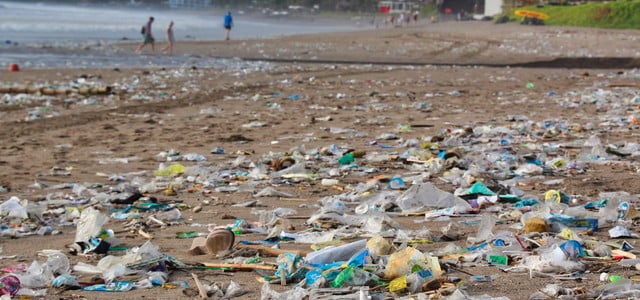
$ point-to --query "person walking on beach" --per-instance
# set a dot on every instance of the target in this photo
(147, 37)
(228, 23)
(170, 39)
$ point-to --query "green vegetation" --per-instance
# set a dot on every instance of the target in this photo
(622, 14)
(428, 10)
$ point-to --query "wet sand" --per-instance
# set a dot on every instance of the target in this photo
(372, 83)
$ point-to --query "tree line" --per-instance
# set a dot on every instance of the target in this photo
(324, 5)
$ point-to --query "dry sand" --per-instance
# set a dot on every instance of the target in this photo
(153, 110)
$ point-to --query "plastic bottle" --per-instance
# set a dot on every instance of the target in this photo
(610, 278)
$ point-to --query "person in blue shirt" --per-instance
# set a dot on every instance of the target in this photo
(228, 23)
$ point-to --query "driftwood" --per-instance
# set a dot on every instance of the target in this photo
(51, 91)
(241, 266)
(271, 251)
(201, 290)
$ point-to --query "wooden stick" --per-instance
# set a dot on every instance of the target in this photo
(201, 290)
(242, 266)
(293, 199)
(154, 219)
(417, 161)
(145, 235)
(297, 217)
(271, 251)
(50, 91)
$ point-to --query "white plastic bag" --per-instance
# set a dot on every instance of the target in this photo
(90, 224)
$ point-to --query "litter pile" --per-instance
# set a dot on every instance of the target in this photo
(491, 195)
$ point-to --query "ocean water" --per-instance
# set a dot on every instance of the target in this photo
(40, 35)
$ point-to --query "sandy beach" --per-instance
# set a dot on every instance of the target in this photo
(386, 92)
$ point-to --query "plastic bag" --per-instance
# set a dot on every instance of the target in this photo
(172, 215)
(485, 231)
(58, 263)
(416, 280)
(172, 170)
(90, 224)
(427, 196)
(480, 188)
(121, 286)
(233, 290)
(401, 262)
(398, 284)
(292, 265)
(333, 254)
(66, 281)
(271, 192)
(378, 246)
(113, 273)
(354, 276)
(13, 209)
(36, 276)
(266, 293)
